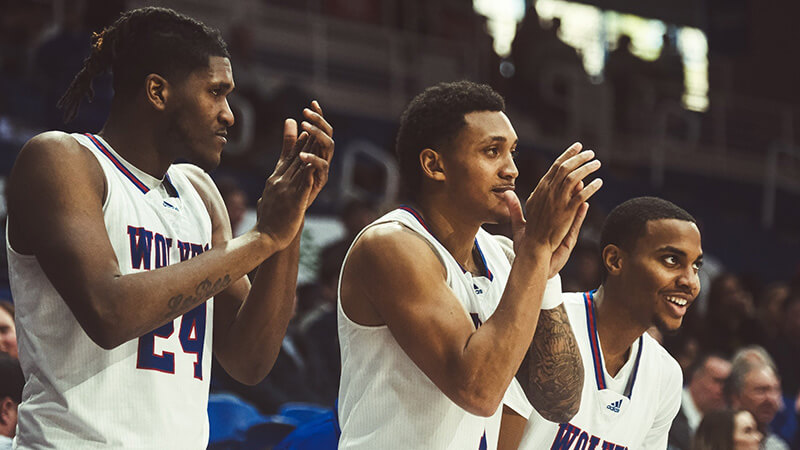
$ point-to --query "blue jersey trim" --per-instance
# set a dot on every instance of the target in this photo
(114, 160)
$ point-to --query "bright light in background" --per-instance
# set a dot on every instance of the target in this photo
(503, 16)
(591, 30)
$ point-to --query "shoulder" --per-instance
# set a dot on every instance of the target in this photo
(54, 155)
(505, 244)
(392, 244)
(205, 187)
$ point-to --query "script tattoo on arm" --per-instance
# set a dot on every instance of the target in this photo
(205, 289)
(552, 372)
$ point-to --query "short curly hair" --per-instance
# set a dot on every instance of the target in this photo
(433, 119)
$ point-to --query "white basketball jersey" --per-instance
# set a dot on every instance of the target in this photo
(149, 392)
(633, 410)
(385, 400)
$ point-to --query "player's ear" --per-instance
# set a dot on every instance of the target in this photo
(156, 89)
(612, 259)
(431, 162)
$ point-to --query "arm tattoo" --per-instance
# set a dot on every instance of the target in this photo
(552, 372)
(204, 290)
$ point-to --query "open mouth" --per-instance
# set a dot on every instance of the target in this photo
(677, 300)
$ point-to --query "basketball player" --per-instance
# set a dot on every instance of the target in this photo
(115, 253)
(632, 387)
(435, 314)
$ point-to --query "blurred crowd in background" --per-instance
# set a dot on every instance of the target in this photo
(751, 229)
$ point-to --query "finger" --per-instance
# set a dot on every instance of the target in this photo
(289, 137)
(317, 107)
(318, 120)
(324, 143)
(575, 229)
(515, 211)
(578, 187)
(571, 151)
(317, 163)
(294, 167)
(588, 191)
(579, 174)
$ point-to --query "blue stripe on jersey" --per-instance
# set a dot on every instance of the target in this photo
(594, 341)
(483, 260)
(597, 357)
(629, 388)
(169, 180)
(137, 182)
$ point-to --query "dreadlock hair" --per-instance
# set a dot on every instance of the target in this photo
(433, 119)
(140, 42)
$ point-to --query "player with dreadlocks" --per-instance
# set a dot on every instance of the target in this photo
(121, 261)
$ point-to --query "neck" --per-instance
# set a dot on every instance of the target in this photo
(134, 138)
(455, 232)
(616, 327)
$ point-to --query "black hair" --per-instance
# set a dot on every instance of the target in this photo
(715, 431)
(626, 223)
(13, 380)
(699, 364)
(143, 41)
(433, 119)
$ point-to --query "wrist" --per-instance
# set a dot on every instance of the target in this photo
(552, 298)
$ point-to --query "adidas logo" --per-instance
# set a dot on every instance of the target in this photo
(477, 289)
(615, 406)
(170, 206)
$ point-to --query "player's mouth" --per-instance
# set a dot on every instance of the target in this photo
(222, 136)
(678, 304)
(500, 190)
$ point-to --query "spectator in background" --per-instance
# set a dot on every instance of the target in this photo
(786, 346)
(11, 383)
(626, 73)
(702, 395)
(235, 202)
(730, 322)
(753, 386)
(727, 430)
(8, 331)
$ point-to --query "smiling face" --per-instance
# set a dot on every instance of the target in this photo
(199, 115)
(659, 274)
(479, 165)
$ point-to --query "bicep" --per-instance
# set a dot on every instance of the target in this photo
(55, 200)
(405, 283)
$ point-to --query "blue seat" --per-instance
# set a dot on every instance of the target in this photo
(267, 434)
(302, 412)
(230, 417)
(321, 433)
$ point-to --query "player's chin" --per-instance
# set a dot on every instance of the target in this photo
(668, 327)
(499, 215)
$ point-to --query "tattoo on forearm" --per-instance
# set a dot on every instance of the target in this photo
(552, 372)
(204, 289)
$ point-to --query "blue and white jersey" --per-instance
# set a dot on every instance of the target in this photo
(149, 392)
(632, 410)
(387, 402)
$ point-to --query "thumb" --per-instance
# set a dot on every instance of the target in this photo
(515, 211)
(289, 137)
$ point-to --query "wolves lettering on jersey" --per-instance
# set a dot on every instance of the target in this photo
(571, 437)
(193, 323)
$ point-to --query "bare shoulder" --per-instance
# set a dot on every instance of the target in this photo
(52, 173)
(395, 244)
(208, 192)
(53, 157)
(388, 261)
(51, 146)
